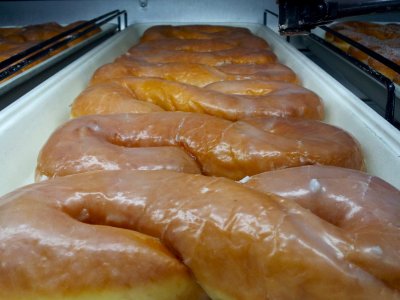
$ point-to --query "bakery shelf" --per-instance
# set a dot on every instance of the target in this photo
(23, 133)
(376, 89)
(25, 58)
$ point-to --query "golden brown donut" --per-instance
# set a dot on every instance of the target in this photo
(106, 98)
(271, 98)
(206, 45)
(192, 73)
(47, 252)
(351, 27)
(285, 99)
(390, 53)
(198, 32)
(367, 41)
(239, 243)
(351, 200)
(354, 35)
(219, 147)
(215, 58)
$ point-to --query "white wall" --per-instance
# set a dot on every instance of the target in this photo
(33, 12)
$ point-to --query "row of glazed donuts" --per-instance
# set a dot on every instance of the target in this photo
(384, 39)
(14, 40)
(315, 232)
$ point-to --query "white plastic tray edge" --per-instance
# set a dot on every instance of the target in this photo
(26, 124)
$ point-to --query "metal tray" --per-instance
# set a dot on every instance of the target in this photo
(26, 124)
(11, 83)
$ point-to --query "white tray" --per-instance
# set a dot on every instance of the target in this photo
(26, 124)
(11, 83)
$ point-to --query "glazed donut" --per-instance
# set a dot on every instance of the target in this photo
(47, 252)
(109, 98)
(351, 200)
(239, 243)
(199, 32)
(390, 53)
(354, 35)
(383, 39)
(256, 98)
(367, 41)
(206, 45)
(215, 58)
(219, 147)
(194, 74)
(15, 40)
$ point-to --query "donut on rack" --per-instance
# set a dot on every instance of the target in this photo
(251, 98)
(239, 243)
(197, 142)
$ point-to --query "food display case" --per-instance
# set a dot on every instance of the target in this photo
(357, 100)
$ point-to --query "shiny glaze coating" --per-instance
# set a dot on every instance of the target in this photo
(192, 73)
(271, 98)
(219, 147)
(364, 206)
(197, 32)
(46, 252)
(214, 58)
(239, 243)
(223, 42)
(106, 98)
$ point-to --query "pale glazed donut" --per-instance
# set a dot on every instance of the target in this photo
(215, 58)
(46, 252)
(192, 73)
(239, 243)
(275, 98)
(364, 206)
(219, 147)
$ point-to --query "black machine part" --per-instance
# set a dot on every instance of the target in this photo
(299, 17)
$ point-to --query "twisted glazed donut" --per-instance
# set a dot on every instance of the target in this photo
(215, 58)
(366, 207)
(255, 98)
(219, 147)
(197, 32)
(46, 252)
(192, 73)
(239, 243)
(207, 45)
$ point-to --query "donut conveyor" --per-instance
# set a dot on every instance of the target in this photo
(23, 133)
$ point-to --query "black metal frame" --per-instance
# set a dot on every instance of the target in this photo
(390, 87)
(15, 62)
(266, 12)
